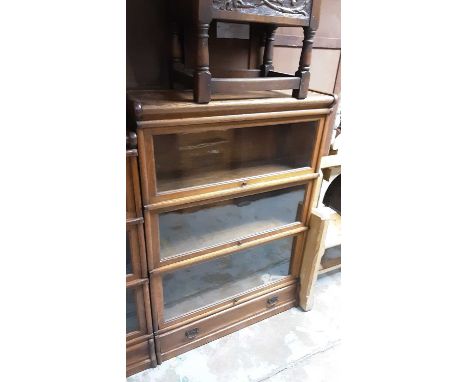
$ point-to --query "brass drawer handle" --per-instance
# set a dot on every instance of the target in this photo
(272, 301)
(192, 333)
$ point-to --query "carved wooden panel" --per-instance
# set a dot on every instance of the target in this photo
(299, 9)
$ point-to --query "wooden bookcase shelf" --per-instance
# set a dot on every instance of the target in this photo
(331, 260)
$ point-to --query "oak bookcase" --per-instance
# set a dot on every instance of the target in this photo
(219, 199)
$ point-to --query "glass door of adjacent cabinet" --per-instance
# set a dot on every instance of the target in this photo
(137, 322)
(137, 297)
(201, 285)
(133, 252)
(133, 320)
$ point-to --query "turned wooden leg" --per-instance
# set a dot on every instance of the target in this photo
(304, 64)
(176, 51)
(202, 75)
(268, 53)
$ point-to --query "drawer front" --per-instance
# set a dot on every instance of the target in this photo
(203, 328)
(140, 357)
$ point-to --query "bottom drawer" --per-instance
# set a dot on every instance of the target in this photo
(140, 356)
(198, 333)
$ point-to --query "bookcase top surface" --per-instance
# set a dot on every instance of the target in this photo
(164, 104)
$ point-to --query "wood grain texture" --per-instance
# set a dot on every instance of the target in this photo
(140, 356)
(313, 252)
(242, 85)
(151, 105)
(133, 193)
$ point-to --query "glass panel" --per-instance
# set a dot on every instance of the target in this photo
(132, 315)
(198, 227)
(206, 283)
(129, 256)
(193, 159)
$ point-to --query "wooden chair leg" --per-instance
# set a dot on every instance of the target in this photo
(304, 64)
(202, 75)
(268, 53)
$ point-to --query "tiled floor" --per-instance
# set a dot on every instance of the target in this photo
(291, 346)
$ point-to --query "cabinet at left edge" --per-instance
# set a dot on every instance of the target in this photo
(140, 347)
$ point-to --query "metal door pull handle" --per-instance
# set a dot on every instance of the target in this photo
(192, 333)
(272, 301)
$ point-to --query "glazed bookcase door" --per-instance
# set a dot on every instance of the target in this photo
(196, 289)
(214, 228)
(196, 163)
(204, 284)
(196, 159)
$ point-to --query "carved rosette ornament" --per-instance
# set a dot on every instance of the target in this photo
(287, 7)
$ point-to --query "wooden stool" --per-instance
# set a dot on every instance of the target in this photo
(197, 15)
